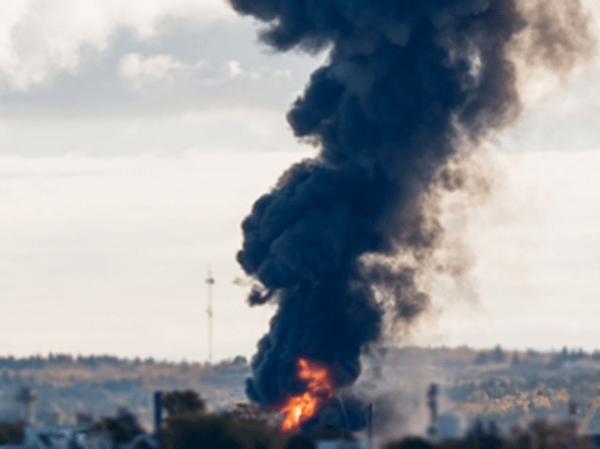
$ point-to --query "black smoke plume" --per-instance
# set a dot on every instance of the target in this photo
(409, 85)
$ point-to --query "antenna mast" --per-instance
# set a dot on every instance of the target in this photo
(209, 311)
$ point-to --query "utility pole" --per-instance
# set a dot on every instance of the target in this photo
(209, 311)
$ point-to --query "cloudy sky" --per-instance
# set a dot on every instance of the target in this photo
(135, 136)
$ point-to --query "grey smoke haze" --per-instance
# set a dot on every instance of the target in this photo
(408, 86)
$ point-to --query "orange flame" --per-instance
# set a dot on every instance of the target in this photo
(319, 392)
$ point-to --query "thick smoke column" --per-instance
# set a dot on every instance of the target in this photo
(409, 84)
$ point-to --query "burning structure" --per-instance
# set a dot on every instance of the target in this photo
(318, 391)
(409, 86)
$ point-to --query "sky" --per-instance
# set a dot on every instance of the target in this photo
(135, 136)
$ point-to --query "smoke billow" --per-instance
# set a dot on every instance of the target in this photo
(409, 86)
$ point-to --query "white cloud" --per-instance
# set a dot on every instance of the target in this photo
(234, 69)
(109, 52)
(152, 72)
(40, 38)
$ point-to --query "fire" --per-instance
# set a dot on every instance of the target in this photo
(319, 392)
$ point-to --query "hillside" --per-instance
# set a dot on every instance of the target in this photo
(99, 385)
(506, 387)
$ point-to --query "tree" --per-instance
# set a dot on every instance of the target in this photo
(121, 429)
(11, 433)
(187, 401)
(410, 443)
(327, 431)
(299, 441)
(194, 431)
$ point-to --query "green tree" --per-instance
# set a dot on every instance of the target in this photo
(121, 429)
(194, 431)
(187, 401)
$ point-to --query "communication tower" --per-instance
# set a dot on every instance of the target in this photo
(209, 311)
